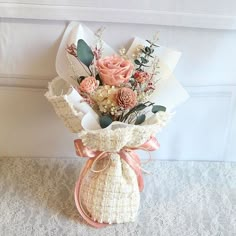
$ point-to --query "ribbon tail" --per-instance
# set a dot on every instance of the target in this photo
(84, 151)
(77, 198)
(151, 145)
(138, 171)
(132, 159)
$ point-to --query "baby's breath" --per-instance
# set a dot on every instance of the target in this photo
(104, 96)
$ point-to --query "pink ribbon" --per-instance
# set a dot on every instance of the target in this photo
(127, 154)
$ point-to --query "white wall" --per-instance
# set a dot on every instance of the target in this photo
(204, 128)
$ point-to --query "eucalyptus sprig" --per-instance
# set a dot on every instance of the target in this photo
(146, 54)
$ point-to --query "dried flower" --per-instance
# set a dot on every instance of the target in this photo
(72, 50)
(137, 51)
(114, 70)
(97, 53)
(88, 85)
(105, 98)
(126, 98)
(122, 51)
(150, 86)
(141, 76)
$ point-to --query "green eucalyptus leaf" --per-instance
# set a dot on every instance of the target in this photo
(143, 51)
(140, 119)
(105, 121)
(139, 107)
(157, 108)
(137, 62)
(144, 60)
(84, 52)
(148, 49)
(153, 44)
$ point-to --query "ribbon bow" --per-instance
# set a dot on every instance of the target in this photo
(127, 154)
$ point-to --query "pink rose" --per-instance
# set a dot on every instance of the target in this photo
(88, 85)
(126, 98)
(141, 76)
(114, 70)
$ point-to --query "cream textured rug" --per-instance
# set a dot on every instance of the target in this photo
(179, 199)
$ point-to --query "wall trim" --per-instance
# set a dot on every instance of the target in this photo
(114, 15)
(24, 81)
(41, 82)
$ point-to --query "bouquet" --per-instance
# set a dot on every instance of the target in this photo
(116, 103)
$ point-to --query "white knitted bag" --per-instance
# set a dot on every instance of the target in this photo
(109, 191)
(112, 195)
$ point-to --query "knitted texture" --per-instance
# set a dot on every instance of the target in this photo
(112, 195)
(107, 140)
(57, 95)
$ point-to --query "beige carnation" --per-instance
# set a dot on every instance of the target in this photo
(88, 85)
